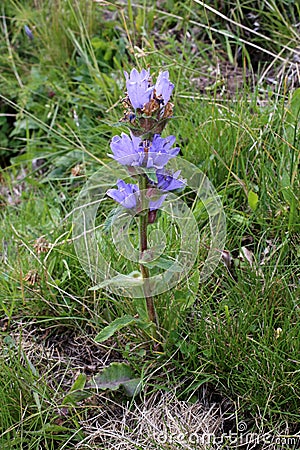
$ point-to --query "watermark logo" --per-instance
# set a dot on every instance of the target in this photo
(238, 439)
(242, 426)
(107, 244)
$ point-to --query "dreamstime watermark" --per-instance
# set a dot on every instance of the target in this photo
(97, 238)
(240, 438)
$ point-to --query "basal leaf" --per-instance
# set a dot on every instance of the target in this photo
(115, 376)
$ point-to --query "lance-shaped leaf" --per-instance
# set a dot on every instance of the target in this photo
(113, 327)
(77, 391)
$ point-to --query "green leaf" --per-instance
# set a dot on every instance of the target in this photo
(151, 174)
(98, 43)
(132, 387)
(161, 262)
(133, 279)
(115, 376)
(52, 428)
(77, 391)
(252, 200)
(24, 125)
(114, 326)
(120, 323)
(113, 214)
(79, 383)
(292, 117)
(140, 307)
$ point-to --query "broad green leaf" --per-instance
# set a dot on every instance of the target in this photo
(115, 376)
(252, 200)
(133, 279)
(113, 327)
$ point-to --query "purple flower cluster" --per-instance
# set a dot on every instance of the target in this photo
(140, 89)
(128, 195)
(147, 150)
(133, 151)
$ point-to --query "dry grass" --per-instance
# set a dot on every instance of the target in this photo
(160, 421)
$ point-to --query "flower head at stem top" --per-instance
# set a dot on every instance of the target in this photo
(148, 106)
(140, 89)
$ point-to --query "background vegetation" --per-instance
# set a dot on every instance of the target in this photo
(236, 70)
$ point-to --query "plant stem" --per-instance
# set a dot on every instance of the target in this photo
(143, 247)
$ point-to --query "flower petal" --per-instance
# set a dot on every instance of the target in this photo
(163, 86)
(126, 194)
(125, 150)
(157, 203)
(138, 87)
(168, 181)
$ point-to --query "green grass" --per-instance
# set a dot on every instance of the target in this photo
(240, 330)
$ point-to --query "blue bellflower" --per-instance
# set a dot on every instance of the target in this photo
(168, 181)
(138, 87)
(126, 150)
(140, 91)
(128, 195)
(161, 151)
(164, 87)
(133, 151)
(151, 151)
